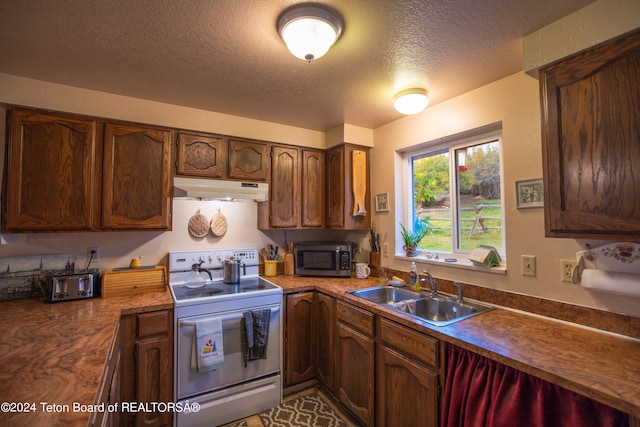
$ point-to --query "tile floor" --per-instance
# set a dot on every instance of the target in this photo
(254, 420)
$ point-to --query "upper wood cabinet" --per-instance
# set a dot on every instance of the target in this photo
(296, 189)
(137, 177)
(591, 142)
(284, 199)
(201, 155)
(312, 188)
(345, 195)
(249, 160)
(52, 176)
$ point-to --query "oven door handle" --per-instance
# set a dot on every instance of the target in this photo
(232, 317)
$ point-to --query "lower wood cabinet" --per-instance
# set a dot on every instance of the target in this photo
(406, 377)
(110, 387)
(325, 348)
(300, 332)
(147, 365)
(384, 373)
(355, 361)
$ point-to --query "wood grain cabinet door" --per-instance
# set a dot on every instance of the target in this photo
(591, 142)
(201, 155)
(248, 160)
(335, 187)
(355, 363)
(341, 188)
(313, 190)
(325, 349)
(407, 392)
(300, 338)
(284, 188)
(154, 365)
(137, 178)
(52, 173)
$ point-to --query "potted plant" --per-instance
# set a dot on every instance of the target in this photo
(411, 239)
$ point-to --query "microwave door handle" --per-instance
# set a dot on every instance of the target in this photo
(337, 261)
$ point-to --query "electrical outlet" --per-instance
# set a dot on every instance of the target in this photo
(567, 269)
(528, 265)
(96, 255)
(385, 249)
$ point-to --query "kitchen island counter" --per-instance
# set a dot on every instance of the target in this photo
(602, 366)
(53, 356)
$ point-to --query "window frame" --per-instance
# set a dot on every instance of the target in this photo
(448, 145)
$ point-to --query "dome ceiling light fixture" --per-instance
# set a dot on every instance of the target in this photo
(309, 30)
(411, 101)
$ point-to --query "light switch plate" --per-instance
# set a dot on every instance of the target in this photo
(528, 265)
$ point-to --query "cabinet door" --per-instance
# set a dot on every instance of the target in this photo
(312, 185)
(137, 178)
(300, 338)
(335, 187)
(52, 174)
(284, 202)
(325, 349)
(407, 392)
(591, 142)
(342, 188)
(153, 379)
(201, 155)
(248, 160)
(154, 365)
(355, 364)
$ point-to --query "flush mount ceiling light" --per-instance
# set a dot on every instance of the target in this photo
(309, 30)
(411, 101)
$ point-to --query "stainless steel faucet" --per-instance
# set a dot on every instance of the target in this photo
(460, 287)
(198, 267)
(433, 289)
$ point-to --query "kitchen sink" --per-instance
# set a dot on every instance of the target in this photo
(385, 294)
(439, 310)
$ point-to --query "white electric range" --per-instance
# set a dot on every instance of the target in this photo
(233, 391)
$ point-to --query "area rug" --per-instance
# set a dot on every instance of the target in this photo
(309, 410)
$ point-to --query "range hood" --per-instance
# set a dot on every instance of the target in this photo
(219, 189)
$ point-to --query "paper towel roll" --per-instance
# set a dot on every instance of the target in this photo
(611, 282)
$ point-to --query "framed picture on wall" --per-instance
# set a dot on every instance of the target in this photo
(529, 193)
(382, 202)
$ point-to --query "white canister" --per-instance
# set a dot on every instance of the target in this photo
(362, 270)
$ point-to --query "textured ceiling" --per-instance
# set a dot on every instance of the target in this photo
(226, 55)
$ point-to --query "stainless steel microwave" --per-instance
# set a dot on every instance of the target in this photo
(323, 259)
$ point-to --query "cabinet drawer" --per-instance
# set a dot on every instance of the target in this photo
(359, 319)
(156, 322)
(409, 342)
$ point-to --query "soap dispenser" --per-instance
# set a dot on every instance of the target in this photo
(413, 274)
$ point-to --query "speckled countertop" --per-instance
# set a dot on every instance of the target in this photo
(55, 354)
(602, 366)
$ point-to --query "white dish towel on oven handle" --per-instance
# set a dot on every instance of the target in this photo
(207, 353)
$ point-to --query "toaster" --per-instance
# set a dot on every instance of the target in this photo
(73, 286)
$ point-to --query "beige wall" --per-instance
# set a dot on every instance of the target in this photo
(513, 102)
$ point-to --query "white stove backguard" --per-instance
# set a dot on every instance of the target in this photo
(211, 258)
